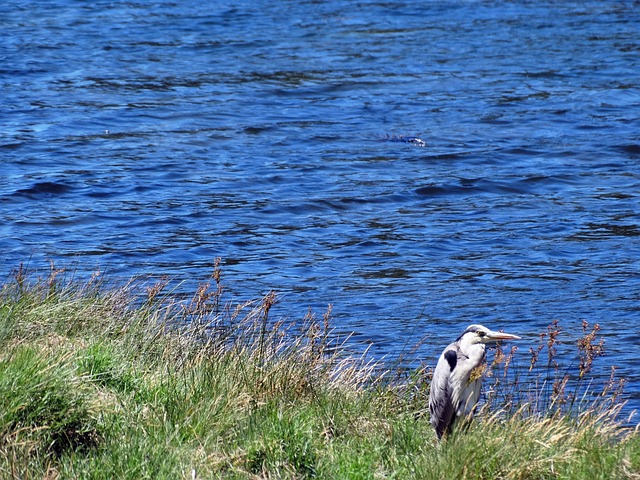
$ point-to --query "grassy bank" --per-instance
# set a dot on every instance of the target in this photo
(98, 382)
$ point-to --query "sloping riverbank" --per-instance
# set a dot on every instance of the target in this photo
(98, 382)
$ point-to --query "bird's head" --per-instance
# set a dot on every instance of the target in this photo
(475, 334)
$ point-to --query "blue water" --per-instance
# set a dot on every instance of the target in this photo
(146, 138)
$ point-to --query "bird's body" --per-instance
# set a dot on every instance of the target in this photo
(457, 379)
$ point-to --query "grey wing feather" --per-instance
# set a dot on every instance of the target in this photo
(440, 398)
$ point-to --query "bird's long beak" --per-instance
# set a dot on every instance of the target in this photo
(501, 336)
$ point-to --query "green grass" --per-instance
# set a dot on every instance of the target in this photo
(100, 383)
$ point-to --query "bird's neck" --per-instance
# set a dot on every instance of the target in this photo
(474, 351)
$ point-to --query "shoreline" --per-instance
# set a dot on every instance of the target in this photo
(97, 383)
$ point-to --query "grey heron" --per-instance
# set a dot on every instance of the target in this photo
(457, 379)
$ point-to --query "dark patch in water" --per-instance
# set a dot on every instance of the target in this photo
(446, 156)
(11, 146)
(601, 231)
(632, 149)
(523, 151)
(44, 188)
(436, 190)
(471, 186)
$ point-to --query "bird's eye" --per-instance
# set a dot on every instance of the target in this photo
(481, 333)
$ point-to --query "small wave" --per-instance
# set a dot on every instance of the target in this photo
(44, 188)
(472, 186)
(631, 149)
(594, 231)
(523, 151)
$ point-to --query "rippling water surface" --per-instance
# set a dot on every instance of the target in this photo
(151, 137)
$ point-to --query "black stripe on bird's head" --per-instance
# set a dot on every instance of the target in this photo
(481, 334)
